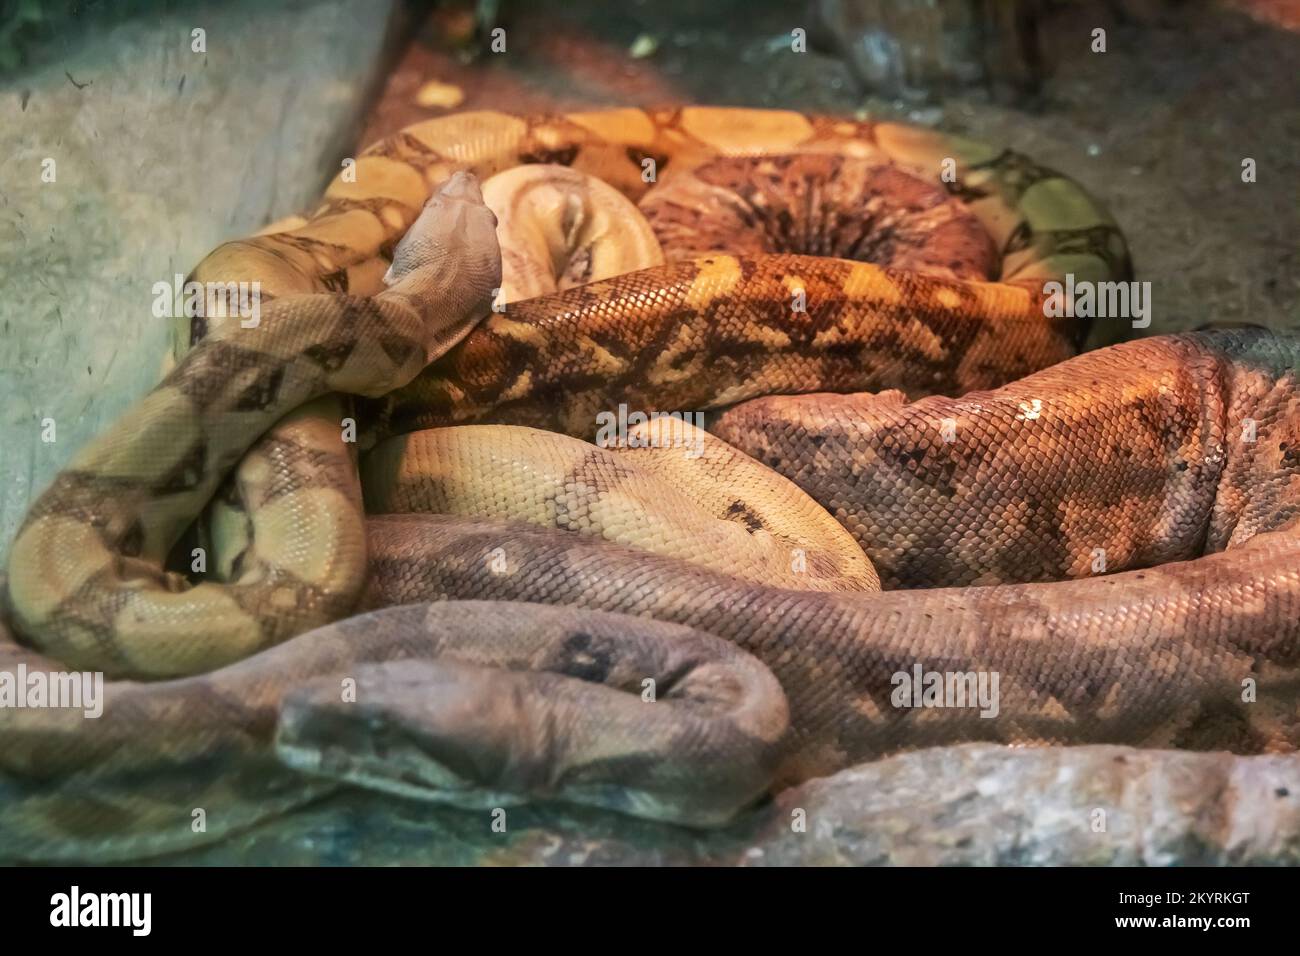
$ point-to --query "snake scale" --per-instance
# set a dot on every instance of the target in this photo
(669, 635)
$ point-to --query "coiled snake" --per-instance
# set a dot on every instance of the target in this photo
(704, 631)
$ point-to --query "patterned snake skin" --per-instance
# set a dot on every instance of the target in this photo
(684, 668)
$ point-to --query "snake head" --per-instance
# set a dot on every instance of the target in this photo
(453, 215)
(449, 262)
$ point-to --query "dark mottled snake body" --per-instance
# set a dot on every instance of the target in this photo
(1113, 536)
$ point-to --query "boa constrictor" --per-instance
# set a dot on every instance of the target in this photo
(487, 696)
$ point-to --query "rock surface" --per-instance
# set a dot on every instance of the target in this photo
(159, 154)
(978, 804)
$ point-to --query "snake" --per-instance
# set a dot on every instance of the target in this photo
(426, 579)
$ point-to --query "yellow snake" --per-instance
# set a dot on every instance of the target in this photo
(715, 632)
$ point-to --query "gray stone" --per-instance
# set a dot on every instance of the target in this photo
(160, 154)
(978, 804)
(984, 804)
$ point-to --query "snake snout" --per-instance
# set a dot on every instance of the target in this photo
(442, 731)
(461, 185)
(481, 737)
(455, 229)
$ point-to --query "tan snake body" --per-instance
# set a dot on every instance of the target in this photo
(1133, 451)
